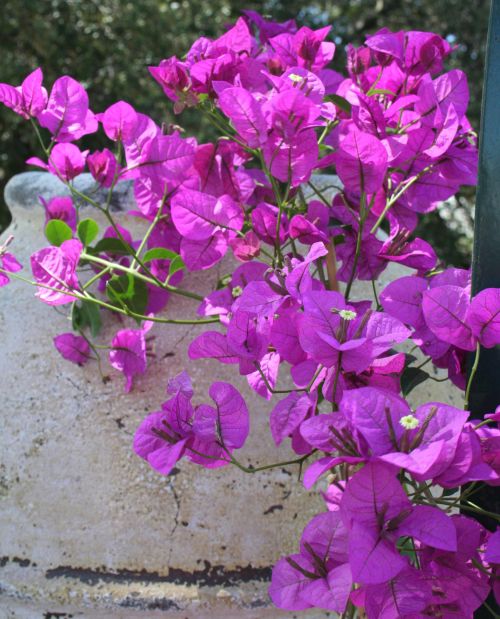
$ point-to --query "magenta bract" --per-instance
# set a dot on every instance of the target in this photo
(67, 115)
(283, 303)
(74, 348)
(27, 100)
(205, 434)
(54, 270)
(9, 263)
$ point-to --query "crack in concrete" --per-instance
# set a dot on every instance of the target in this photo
(183, 337)
(176, 517)
(75, 384)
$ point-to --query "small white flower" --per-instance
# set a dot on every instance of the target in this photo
(237, 291)
(347, 314)
(409, 422)
(295, 78)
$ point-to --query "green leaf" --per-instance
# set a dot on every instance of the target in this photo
(409, 358)
(381, 91)
(412, 377)
(111, 246)
(57, 232)
(159, 253)
(76, 320)
(87, 231)
(177, 264)
(86, 315)
(405, 547)
(340, 102)
(92, 316)
(128, 292)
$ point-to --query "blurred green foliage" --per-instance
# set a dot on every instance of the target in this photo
(108, 44)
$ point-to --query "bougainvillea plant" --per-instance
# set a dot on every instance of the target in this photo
(395, 539)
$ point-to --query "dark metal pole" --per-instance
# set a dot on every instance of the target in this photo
(485, 392)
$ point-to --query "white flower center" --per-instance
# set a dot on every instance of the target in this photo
(347, 314)
(237, 291)
(409, 422)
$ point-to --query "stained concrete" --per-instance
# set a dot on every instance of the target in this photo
(87, 528)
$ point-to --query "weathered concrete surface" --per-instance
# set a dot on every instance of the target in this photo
(85, 522)
(86, 527)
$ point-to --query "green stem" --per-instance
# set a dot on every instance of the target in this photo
(87, 297)
(266, 467)
(428, 495)
(461, 497)
(281, 202)
(94, 348)
(313, 379)
(155, 282)
(83, 196)
(116, 267)
(226, 130)
(127, 312)
(395, 197)
(321, 273)
(130, 249)
(268, 386)
(95, 278)
(421, 365)
(419, 489)
(491, 611)
(373, 86)
(438, 380)
(65, 291)
(471, 507)
(328, 127)
(362, 218)
(375, 295)
(471, 377)
(320, 194)
(149, 231)
(336, 382)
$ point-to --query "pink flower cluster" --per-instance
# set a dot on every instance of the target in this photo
(206, 435)
(445, 321)
(395, 132)
(407, 559)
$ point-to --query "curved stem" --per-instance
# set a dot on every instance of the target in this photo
(268, 385)
(320, 194)
(395, 197)
(471, 377)
(357, 251)
(135, 265)
(331, 266)
(94, 348)
(266, 467)
(84, 296)
(97, 276)
(375, 295)
(336, 382)
(127, 312)
(149, 280)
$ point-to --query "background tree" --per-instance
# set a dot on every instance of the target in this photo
(108, 44)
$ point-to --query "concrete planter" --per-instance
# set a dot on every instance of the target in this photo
(87, 529)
